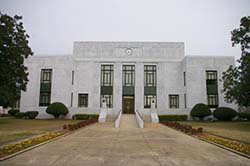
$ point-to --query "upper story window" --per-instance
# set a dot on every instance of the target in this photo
(184, 78)
(46, 75)
(211, 75)
(212, 89)
(173, 101)
(107, 75)
(128, 75)
(150, 75)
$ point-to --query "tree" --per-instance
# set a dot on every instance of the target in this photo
(236, 80)
(13, 50)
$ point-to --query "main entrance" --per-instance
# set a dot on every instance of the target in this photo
(128, 104)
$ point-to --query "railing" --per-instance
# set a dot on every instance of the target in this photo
(139, 119)
(118, 119)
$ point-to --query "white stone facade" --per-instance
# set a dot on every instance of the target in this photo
(86, 63)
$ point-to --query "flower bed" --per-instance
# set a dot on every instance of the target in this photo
(78, 125)
(229, 144)
(188, 129)
(12, 148)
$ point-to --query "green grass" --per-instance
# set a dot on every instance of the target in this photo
(239, 131)
(12, 129)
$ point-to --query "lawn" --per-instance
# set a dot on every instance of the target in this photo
(239, 131)
(15, 129)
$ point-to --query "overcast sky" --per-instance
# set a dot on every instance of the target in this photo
(204, 25)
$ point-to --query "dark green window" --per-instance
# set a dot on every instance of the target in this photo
(212, 89)
(150, 82)
(212, 100)
(107, 74)
(150, 75)
(147, 100)
(173, 101)
(45, 87)
(82, 100)
(128, 75)
(108, 99)
(44, 99)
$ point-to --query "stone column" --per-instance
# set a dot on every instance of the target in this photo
(117, 88)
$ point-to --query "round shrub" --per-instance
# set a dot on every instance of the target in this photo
(20, 115)
(244, 115)
(224, 113)
(13, 112)
(57, 109)
(200, 110)
(32, 114)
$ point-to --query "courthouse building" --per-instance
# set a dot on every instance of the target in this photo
(128, 75)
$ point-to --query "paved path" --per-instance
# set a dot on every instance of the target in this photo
(128, 121)
(103, 145)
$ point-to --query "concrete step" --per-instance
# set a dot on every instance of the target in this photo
(128, 121)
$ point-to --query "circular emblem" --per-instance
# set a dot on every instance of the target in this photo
(129, 51)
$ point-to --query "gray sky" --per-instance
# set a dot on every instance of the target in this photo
(204, 25)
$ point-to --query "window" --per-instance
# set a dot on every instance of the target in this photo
(212, 89)
(82, 100)
(45, 87)
(128, 75)
(185, 100)
(211, 75)
(107, 84)
(212, 100)
(173, 101)
(46, 75)
(109, 100)
(147, 100)
(44, 99)
(71, 99)
(150, 82)
(184, 78)
(73, 75)
(107, 75)
(150, 75)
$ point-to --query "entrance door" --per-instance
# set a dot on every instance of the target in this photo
(128, 104)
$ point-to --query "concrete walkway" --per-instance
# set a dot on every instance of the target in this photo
(128, 121)
(104, 145)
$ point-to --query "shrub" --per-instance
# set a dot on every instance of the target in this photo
(20, 115)
(81, 116)
(32, 114)
(200, 110)
(57, 109)
(224, 113)
(180, 117)
(13, 112)
(244, 115)
(93, 116)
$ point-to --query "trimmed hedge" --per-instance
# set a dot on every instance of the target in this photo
(20, 115)
(224, 113)
(170, 117)
(13, 112)
(200, 110)
(57, 109)
(81, 116)
(244, 115)
(93, 116)
(32, 114)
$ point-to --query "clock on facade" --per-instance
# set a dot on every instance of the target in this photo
(129, 51)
